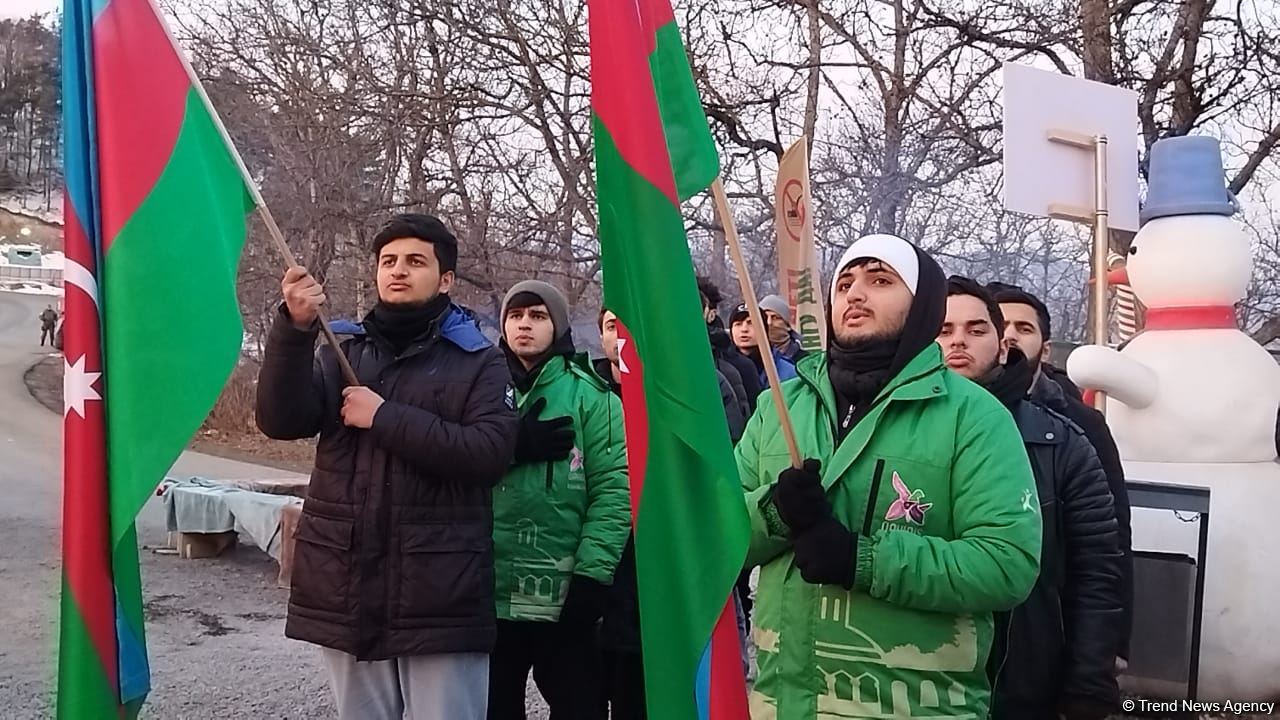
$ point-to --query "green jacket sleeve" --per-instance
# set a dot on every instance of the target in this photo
(608, 520)
(995, 558)
(768, 535)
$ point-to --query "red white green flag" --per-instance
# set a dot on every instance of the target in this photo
(691, 527)
(154, 223)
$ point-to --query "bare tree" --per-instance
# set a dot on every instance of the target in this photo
(478, 110)
(29, 111)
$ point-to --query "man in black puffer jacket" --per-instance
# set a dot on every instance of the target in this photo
(1055, 653)
(393, 571)
(1028, 325)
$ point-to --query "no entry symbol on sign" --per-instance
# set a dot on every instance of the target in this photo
(793, 208)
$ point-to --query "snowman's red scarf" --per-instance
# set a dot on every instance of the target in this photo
(1196, 317)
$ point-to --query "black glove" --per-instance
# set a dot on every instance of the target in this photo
(1078, 708)
(825, 553)
(585, 603)
(543, 440)
(801, 501)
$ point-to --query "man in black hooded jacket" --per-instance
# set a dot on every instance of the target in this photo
(1029, 326)
(1054, 653)
(736, 368)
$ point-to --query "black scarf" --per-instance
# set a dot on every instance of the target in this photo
(604, 369)
(1010, 382)
(524, 378)
(859, 372)
(400, 325)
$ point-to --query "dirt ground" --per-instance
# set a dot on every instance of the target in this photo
(48, 237)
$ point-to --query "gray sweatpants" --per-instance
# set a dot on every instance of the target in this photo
(424, 687)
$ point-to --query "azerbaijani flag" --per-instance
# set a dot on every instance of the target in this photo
(694, 160)
(691, 527)
(154, 224)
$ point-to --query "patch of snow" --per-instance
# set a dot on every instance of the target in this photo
(54, 259)
(31, 288)
(249, 346)
(32, 204)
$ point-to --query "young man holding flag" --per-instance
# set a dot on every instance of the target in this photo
(393, 569)
(913, 519)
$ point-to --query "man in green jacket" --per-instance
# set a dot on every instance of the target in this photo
(561, 514)
(913, 519)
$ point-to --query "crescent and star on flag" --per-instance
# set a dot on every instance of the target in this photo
(77, 381)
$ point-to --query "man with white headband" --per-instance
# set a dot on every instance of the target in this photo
(913, 519)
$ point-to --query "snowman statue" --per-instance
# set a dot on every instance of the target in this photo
(1192, 400)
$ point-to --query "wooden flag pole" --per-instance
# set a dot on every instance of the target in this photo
(753, 306)
(348, 373)
(277, 237)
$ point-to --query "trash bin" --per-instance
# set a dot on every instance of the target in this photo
(1163, 615)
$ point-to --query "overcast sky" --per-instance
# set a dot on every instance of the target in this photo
(23, 8)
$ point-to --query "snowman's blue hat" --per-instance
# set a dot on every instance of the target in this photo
(1186, 178)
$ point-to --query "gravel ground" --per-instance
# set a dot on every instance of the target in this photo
(215, 632)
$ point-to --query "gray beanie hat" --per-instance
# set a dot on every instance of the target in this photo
(557, 305)
(778, 305)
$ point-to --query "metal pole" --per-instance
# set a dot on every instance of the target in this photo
(1197, 618)
(1101, 247)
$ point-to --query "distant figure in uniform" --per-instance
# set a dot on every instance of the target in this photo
(48, 321)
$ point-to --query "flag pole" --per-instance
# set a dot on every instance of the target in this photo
(277, 237)
(753, 306)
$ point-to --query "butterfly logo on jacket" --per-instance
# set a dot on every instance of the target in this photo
(910, 503)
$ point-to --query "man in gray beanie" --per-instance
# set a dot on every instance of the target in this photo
(777, 326)
(561, 514)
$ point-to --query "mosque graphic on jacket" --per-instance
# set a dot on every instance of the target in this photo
(541, 581)
(861, 696)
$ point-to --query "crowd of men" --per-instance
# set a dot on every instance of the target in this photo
(955, 543)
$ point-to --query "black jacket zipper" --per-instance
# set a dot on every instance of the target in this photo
(871, 500)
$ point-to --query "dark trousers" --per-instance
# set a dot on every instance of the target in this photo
(743, 589)
(46, 332)
(624, 685)
(566, 668)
